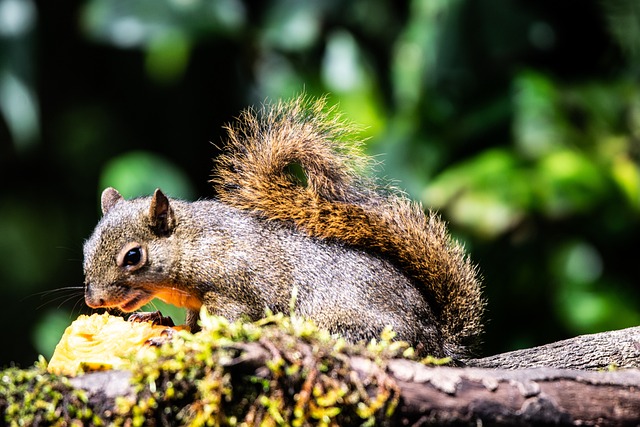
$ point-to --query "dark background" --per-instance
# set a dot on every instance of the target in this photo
(518, 120)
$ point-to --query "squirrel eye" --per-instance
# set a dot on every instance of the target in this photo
(132, 256)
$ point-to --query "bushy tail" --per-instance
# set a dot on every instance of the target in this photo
(298, 162)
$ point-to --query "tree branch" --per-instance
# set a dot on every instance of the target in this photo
(465, 396)
(620, 349)
(283, 378)
(452, 396)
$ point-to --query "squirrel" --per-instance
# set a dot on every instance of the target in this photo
(294, 215)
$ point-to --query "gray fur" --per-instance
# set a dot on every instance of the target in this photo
(238, 265)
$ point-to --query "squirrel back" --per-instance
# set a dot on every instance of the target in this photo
(332, 200)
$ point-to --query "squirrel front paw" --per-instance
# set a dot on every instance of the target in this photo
(155, 317)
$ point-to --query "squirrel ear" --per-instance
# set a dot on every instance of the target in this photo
(160, 213)
(109, 198)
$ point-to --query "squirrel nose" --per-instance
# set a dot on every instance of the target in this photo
(90, 298)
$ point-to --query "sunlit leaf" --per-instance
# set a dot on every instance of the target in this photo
(488, 194)
(19, 107)
(342, 65)
(578, 263)
(139, 173)
(626, 174)
(537, 126)
(418, 49)
(567, 182)
(136, 23)
(601, 310)
(168, 56)
(292, 25)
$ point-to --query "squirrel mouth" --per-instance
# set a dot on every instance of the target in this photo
(135, 302)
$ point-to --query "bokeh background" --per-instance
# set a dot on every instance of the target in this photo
(518, 120)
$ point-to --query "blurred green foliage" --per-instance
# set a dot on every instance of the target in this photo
(141, 172)
(519, 121)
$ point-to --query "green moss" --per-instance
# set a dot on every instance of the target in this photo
(34, 397)
(199, 379)
(207, 379)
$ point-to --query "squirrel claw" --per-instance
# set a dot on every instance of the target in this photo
(155, 317)
(165, 337)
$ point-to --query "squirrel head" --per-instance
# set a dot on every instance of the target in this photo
(128, 257)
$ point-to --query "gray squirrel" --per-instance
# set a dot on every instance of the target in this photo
(293, 211)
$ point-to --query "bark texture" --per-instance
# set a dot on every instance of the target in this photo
(619, 349)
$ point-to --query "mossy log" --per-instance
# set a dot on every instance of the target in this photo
(291, 375)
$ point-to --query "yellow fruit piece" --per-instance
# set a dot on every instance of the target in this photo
(100, 342)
